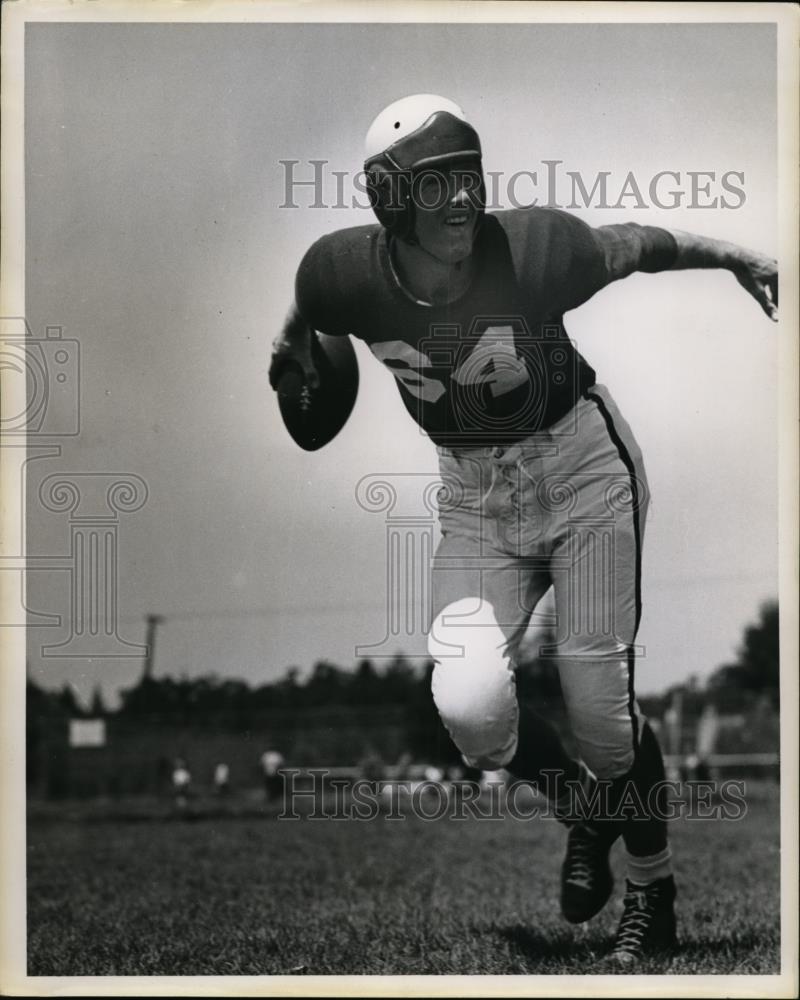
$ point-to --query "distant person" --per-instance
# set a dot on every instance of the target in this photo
(181, 782)
(435, 780)
(222, 779)
(433, 774)
(695, 768)
(271, 763)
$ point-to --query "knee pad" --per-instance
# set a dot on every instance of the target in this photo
(473, 683)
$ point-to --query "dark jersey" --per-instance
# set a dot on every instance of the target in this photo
(495, 365)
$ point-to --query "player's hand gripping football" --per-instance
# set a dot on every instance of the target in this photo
(292, 349)
(758, 274)
(315, 377)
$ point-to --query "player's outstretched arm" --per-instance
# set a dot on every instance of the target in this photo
(292, 346)
(755, 272)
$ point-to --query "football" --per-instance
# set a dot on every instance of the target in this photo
(313, 417)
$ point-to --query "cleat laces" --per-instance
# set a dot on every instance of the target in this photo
(582, 862)
(586, 879)
(635, 923)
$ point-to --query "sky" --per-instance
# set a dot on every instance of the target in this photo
(158, 238)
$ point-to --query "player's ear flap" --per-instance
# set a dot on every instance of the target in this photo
(378, 184)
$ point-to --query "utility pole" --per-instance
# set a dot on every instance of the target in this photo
(152, 622)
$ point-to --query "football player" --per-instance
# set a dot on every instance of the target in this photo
(544, 484)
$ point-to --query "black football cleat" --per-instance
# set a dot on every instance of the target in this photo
(647, 927)
(586, 879)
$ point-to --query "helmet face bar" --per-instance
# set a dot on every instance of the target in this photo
(421, 133)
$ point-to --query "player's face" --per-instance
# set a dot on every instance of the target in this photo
(446, 211)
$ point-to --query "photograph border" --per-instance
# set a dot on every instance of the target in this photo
(15, 15)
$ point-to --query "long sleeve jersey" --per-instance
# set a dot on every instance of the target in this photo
(495, 365)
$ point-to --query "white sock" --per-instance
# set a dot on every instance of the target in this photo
(643, 871)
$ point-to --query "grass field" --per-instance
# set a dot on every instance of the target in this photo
(249, 894)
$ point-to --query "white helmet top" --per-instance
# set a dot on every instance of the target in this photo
(413, 135)
(403, 117)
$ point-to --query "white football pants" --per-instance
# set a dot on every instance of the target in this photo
(563, 508)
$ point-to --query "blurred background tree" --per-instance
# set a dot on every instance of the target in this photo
(756, 670)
